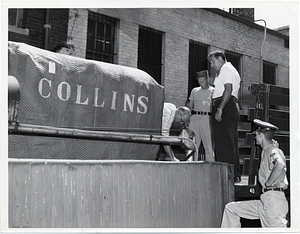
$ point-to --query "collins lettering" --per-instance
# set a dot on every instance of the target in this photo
(130, 102)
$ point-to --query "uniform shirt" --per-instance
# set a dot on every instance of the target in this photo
(269, 157)
(201, 98)
(227, 74)
(167, 118)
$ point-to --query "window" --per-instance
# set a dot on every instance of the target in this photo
(235, 60)
(101, 36)
(15, 17)
(197, 62)
(269, 73)
(15, 21)
(269, 76)
(150, 52)
(286, 43)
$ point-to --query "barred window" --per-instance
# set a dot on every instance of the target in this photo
(269, 73)
(101, 38)
(197, 61)
(235, 60)
(150, 52)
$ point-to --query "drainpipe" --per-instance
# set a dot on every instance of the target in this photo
(251, 179)
(261, 50)
(47, 27)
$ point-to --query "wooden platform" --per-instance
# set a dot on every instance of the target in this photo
(118, 194)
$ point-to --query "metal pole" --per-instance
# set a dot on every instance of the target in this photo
(38, 130)
(47, 27)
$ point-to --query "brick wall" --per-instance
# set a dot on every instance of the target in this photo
(179, 26)
(34, 20)
(18, 37)
(59, 26)
(77, 29)
(128, 44)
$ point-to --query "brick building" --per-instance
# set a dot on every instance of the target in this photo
(171, 44)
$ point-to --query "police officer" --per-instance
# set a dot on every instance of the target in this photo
(272, 207)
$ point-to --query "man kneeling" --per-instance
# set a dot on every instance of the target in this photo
(272, 207)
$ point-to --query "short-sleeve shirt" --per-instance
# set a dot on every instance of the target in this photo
(202, 98)
(269, 157)
(227, 74)
(168, 118)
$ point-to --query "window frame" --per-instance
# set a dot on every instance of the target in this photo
(197, 62)
(272, 66)
(17, 26)
(238, 57)
(150, 57)
(104, 42)
(18, 19)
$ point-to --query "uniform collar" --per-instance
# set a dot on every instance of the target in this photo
(267, 147)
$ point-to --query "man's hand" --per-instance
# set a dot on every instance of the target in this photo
(275, 143)
(218, 115)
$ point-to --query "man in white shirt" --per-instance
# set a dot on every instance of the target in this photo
(173, 114)
(225, 111)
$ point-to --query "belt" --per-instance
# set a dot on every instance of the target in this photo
(220, 98)
(200, 113)
(272, 189)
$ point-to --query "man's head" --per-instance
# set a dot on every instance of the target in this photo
(265, 131)
(202, 78)
(182, 115)
(64, 47)
(217, 59)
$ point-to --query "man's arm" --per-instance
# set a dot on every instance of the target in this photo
(190, 105)
(170, 152)
(225, 97)
(278, 169)
(211, 81)
(276, 172)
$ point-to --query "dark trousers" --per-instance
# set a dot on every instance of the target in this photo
(225, 133)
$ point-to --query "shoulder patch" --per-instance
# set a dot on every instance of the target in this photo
(276, 157)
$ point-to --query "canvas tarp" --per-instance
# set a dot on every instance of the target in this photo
(64, 91)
